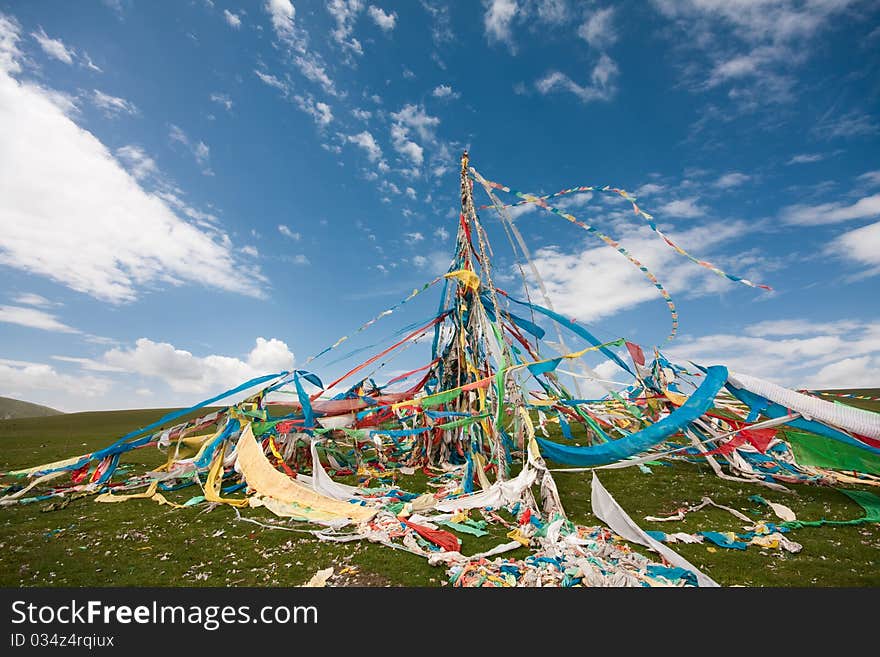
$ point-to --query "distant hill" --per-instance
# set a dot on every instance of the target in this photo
(11, 409)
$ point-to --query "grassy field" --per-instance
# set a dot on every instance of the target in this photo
(139, 543)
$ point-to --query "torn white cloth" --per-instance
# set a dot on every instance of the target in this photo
(612, 514)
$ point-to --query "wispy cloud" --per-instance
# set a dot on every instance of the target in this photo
(136, 160)
(345, 13)
(55, 48)
(445, 91)
(367, 142)
(687, 208)
(386, 21)
(33, 318)
(806, 158)
(233, 20)
(850, 124)
(498, 19)
(602, 86)
(285, 230)
(112, 106)
(223, 100)
(412, 118)
(732, 179)
(861, 246)
(199, 149)
(598, 29)
(831, 213)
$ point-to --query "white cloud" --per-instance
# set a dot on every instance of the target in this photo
(831, 213)
(90, 64)
(598, 30)
(199, 149)
(272, 81)
(434, 262)
(444, 91)
(184, 372)
(311, 67)
(567, 273)
(367, 142)
(441, 233)
(806, 158)
(498, 19)
(415, 117)
(320, 112)
(222, 99)
(806, 354)
(234, 20)
(410, 192)
(686, 208)
(285, 230)
(282, 14)
(861, 245)
(300, 259)
(250, 250)
(412, 118)
(732, 179)
(406, 147)
(847, 373)
(554, 12)
(70, 212)
(138, 163)
(602, 82)
(41, 383)
(31, 299)
(413, 238)
(386, 21)
(650, 188)
(851, 124)
(112, 106)
(798, 326)
(441, 30)
(88, 364)
(361, 114)
(345, 12)
(54, 47)
(33, 318)
(10, 55)
(871, 178)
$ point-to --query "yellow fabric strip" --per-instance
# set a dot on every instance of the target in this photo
(269, 482)
(215, 481)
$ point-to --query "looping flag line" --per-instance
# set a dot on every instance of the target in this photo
(541, 201)
(368, 324)
(616, 245)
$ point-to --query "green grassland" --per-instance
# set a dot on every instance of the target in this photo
(140, 543)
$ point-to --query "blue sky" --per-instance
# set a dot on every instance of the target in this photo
(194, 193)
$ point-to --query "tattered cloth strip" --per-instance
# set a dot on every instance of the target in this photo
(610, 512)
(270, 483)
(706, 501)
